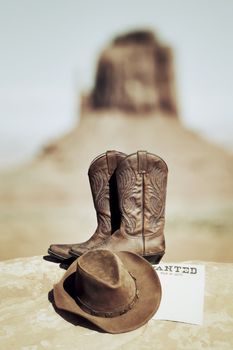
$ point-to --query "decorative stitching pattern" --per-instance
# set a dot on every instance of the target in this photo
(126, 185)
(100, 187)
(157, 194)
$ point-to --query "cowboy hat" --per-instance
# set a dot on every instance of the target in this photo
(118, 292)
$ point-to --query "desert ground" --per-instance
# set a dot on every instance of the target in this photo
(48, 200)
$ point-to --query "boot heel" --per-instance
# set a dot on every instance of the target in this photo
(154, 259)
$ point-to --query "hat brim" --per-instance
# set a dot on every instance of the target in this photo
(145, 307)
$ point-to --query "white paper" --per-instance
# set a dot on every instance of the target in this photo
(182, 292)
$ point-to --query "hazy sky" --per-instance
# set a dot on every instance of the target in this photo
(48, 52)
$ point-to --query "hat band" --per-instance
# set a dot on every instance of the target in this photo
(108, 314)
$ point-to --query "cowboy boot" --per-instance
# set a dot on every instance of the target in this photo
(141, 181)
(104, 192)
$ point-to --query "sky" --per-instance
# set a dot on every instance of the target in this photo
(49, 50)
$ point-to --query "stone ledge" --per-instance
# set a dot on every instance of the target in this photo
(28, 320)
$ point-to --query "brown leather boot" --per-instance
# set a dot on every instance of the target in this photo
(102, 179)
(141, 181)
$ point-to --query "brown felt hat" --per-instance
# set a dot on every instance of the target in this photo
(118, 292)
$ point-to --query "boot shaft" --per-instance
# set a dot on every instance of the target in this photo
(103, 187)
(142, 181)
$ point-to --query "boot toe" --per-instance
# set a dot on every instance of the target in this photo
(60, 251)
(78, 250)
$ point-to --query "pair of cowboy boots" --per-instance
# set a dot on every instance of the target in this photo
(129, 195)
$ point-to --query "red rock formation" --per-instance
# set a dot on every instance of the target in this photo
(135, 73)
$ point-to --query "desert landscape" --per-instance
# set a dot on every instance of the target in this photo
(82, 78)
(132, 107)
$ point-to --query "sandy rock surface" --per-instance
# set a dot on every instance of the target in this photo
(28, 320)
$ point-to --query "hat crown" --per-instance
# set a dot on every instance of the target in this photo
(103, 286)
(103, 267)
